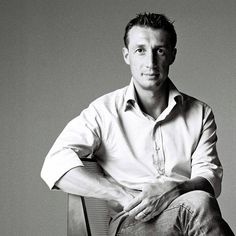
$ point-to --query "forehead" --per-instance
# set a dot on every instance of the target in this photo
(139, 35)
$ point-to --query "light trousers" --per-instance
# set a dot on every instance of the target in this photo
(192, 214)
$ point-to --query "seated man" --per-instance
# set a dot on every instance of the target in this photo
(156, 145)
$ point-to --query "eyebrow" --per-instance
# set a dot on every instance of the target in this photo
(156, 47)
(139, 45)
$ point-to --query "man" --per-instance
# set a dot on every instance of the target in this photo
(156, 145)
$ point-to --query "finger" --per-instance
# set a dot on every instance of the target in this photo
(142, 215)
(152, 213)
(146, 218)
(142, 207)
(133, 203)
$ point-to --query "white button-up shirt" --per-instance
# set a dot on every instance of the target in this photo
(135, 149)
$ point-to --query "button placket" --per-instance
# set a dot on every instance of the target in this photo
(158, 157)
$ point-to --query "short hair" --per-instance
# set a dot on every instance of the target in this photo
(155, 21)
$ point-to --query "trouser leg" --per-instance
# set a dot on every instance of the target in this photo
(204, 216)
(194, 214)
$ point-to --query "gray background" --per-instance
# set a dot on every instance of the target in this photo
(57, 56)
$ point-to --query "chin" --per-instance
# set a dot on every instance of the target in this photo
(159, 84)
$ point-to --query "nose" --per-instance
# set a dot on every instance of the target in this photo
(151, 60)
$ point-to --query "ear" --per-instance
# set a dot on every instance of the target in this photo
(173, 56)
(125, 52)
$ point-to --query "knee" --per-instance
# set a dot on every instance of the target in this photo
(197, 201)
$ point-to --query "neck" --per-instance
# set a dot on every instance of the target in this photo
(153, 102)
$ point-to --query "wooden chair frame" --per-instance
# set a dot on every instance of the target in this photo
(87, 216)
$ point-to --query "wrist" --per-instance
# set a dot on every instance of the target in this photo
(114, 192)
(197, 183)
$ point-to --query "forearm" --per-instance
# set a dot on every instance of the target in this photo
(197, 183)
(81, 182)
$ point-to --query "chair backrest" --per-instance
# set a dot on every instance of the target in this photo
(87, 216)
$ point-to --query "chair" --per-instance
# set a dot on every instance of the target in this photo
(87, 216)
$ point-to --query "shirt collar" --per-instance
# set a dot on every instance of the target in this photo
(130, 97)
(174, 93)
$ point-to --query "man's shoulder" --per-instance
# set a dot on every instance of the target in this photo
(112, 99)
(191, 102)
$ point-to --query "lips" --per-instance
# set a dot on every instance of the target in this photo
(151, 74)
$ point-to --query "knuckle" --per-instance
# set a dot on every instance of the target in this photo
(146, 201)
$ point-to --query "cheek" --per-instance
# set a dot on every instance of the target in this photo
(134, 70)
(135, 67)
(136, 64)
(164, 65)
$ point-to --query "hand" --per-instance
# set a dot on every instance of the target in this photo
(154, 199)
(122, 197)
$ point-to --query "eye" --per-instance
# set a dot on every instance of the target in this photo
(140, 51)
(161, 51)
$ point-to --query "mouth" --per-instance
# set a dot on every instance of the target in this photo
(151, 75)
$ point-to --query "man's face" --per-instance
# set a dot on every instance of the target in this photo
(149, 55)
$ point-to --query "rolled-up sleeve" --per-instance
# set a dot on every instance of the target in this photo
(80, 138)
(205, 161)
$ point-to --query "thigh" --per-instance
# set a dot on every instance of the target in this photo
(179, 218)
(166, 224)
(195, 201)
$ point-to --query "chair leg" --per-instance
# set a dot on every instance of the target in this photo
(77, 219)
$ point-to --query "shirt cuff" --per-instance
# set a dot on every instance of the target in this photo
(55, 166)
